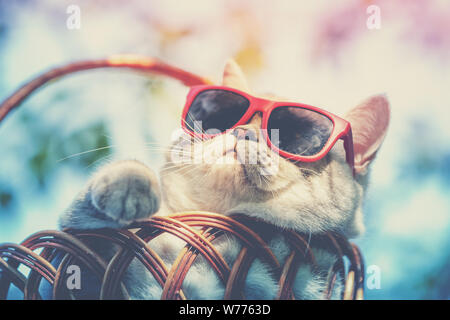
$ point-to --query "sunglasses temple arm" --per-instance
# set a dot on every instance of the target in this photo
(349, 153)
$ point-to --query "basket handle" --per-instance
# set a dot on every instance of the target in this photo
(126, 61)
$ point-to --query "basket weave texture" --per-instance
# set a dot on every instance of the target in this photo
(198, 230)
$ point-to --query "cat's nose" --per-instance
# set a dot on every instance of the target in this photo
(245, 134)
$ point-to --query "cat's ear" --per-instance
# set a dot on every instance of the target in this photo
(369, 121)
(234, 77)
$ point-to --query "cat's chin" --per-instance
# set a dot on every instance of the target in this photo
(248, 178)
(260, 179)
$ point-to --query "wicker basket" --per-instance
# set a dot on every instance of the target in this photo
(198, 230)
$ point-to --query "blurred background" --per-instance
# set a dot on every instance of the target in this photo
(317, 52)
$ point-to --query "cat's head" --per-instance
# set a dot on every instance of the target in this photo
(308, 197)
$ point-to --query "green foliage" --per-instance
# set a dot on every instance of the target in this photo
(80, 149)
(5, 198)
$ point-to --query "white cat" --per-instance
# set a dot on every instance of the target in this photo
(308, 197)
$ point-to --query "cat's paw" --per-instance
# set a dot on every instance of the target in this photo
(126, 191)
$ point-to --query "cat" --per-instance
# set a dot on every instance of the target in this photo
(311, 198)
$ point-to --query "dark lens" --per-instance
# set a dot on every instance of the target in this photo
(216, 109)
(300, 131)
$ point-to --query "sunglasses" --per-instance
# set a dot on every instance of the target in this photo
(295, 131)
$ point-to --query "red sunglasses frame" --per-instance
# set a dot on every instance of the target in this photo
(341, 128)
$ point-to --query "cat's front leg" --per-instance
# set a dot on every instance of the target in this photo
(117, 195)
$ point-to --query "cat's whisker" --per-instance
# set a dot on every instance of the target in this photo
(177, 150)
(162, 149)
(177, 167)
(85, 152)
(309, 241)
(189, 168)
(190, 117)
(192, 140)
(311, 171)
(104, 158)
(188, 125)
(196, 139)
(189, 140)
(168, 167)
(304, 151)
(108, 136)
(162, 146)
(156, 144)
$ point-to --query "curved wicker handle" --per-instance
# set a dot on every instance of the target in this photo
(133, 62)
